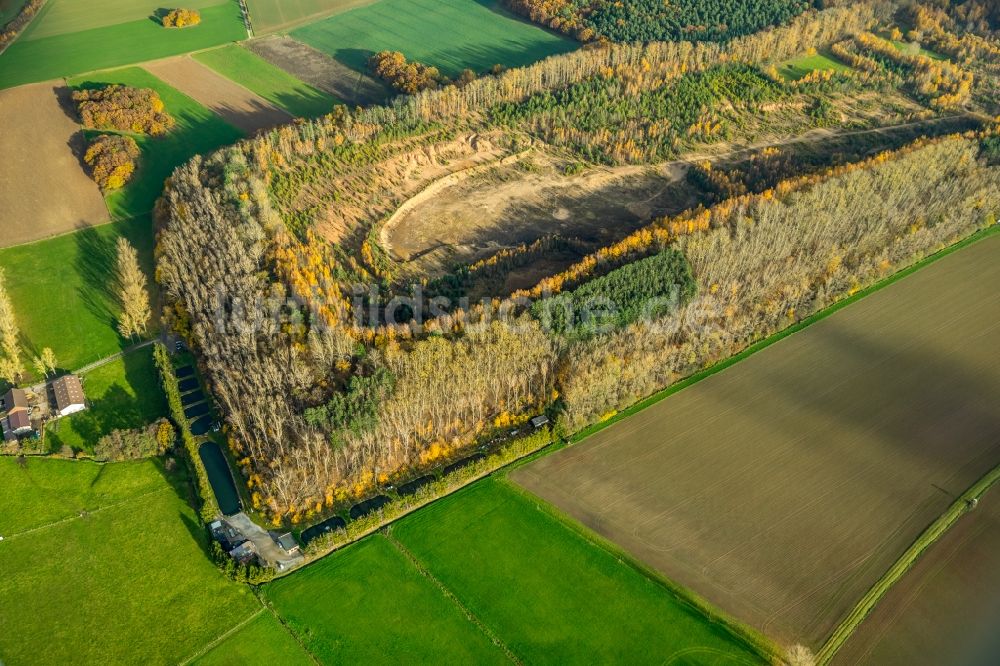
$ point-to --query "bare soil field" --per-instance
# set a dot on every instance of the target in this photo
(945, 610)
(44, 190)
(521, 202)
(237, 105)
(783, 487)
(320, 70)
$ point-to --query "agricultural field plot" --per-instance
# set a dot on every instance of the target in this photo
(271, 15)
(474, 34)
(63, 290)
(235, 104)
(876, 417)
(320, 70)
(272, 83)
(369, 604)
(42, 58)
(44, 189)
(262, 642)
(945, 609)
(549, 593)
(198, 131)
(122, 394)
(128, 577)
(9, 9)
(60, 17)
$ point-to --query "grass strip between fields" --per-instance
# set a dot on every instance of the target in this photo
(927, 538)
(767, 342)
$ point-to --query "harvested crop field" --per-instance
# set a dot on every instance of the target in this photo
(319, 70)
(234, 103)
(945, 610)
(38, 202)
(782, 488)
(474, 217)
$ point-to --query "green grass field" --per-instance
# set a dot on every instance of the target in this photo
(368, 604)
(197, 131)
(63, 294)
(60, 17)
(48, 57)
(273, 84)
(796, 68)
(270, 15)
(124, 393)
(44, 490)
(449, 34)
(262, 642)
(125, 582)
(573, 601)
(905, 47)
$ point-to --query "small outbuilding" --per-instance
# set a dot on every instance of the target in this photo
(15, 399)
(244, 552)
(540, 421)
(69, 396)
(287, 543)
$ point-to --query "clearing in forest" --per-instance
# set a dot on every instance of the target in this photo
(783, 488)
(796, 68)
(945, 609)
(44, 189)
(237, 105)
(270, 82)
(451, 35)
(73, 36)
(104, 562)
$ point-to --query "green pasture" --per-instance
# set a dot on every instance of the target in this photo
(573, 601)
(368, 604)
(270, 15)
(60, 17)
(123, 394)
(261, 642)
(197, 131)
(905, 47)
(40, 491)
(41, 58)
(450, 34)
(121, 582)
(272, 83)
(796, 68)
(63, 290)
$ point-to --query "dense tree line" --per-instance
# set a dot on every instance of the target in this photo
(147, 442)
(655, 20)
(13, 27)
(406, 77)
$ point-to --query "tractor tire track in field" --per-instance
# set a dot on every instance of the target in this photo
(450, 595)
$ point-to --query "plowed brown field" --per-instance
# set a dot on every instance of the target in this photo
(782, 488)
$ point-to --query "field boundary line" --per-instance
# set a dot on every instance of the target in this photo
(85, 512)
(743, 633)
(288, 630)
(451, 596)
(223, 636)
(937, 529)
(760, 345)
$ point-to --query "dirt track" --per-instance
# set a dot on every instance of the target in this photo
(44, 190)
(240, 107)
(782, 488)
(945, 610)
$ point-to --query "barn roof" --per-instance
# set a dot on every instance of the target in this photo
(68, 391)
